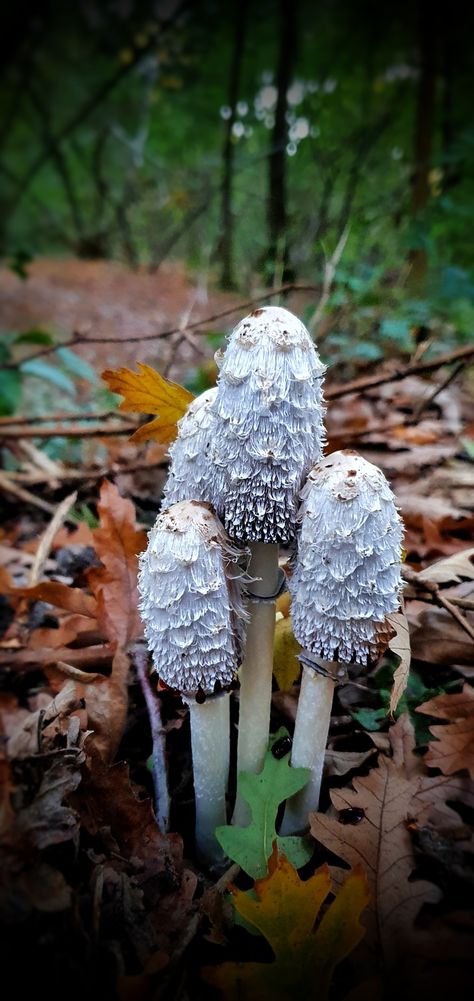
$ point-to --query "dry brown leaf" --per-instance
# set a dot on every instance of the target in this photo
(436, 638)
(147, 392)
(73, 599)
(107, 704)
(453, 749)
(117, 541)
(381, 844)
(459, 566)
(400, 645)
(39, 731)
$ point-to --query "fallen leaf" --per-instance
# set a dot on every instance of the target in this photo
(342, 762)
(73, 599)
(147, 392)
(286, 666)
(118, 542)
(251, 846)
(459, 566)
(436, 638)
(453, 749)
(381, 843)
(40, 730)
(399, 645)
(284, 909)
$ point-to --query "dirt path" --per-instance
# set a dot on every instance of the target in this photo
(104, 298)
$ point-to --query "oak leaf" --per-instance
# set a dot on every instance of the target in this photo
(117, 541)
(453, 569)
(381, 842)
(284, 909)
(73, 599)
(146, 391)
(453, 749)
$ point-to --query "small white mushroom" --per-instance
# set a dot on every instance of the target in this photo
(193, 616)
(346, 580)
(191, 473)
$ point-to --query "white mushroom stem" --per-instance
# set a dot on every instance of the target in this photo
(210, 735)
(257, 669)
(309, 745)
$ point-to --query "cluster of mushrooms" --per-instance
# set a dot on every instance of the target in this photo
(247, 475)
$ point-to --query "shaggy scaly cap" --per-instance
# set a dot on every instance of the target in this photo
(190, 604)
(191, 474)
(347, 573)
(269, 433)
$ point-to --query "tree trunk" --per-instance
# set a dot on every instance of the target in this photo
(277, 212)
(226, 242)
(424, 130)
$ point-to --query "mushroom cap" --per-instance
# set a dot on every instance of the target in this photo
(347, 575)
(189, 601)
(191, 474)
(269, 429)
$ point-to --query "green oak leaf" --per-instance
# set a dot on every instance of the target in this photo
(251, 846)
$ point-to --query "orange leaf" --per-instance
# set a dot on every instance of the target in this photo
(146, 391)
(118, 541)
(453, 750)
(285, 908)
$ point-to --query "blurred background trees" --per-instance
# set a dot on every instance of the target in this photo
(246, 139)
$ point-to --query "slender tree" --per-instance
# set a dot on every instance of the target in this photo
(226, 242)
(424, 131)
(277, 210)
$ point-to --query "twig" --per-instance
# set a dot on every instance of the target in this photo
(9, 487)
(428, 400)
(162, 800)
(369, 382)
(439, 598)
(46, 542)
(73, 475)
(80, 339)
(466, 603)
(60, 418)
(69, 432)
(329, 272)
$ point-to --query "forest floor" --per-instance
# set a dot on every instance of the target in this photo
(94, 897)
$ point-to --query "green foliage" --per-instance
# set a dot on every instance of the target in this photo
(374, 717)
(251, 846)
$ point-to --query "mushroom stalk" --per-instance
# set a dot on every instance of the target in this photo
(257, 668)
(210, 728)
(309, 744)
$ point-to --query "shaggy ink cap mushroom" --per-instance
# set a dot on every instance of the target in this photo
(191, 474)
(269, 432)
(347, 576)
(189, 601)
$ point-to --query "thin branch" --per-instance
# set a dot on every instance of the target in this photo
(84, 475)
(329, 273)
(439, 598)
(71, 431)
(162, 799)
(79, 339)
(428, 400)
(370, 381)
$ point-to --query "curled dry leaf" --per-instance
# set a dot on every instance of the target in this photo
(147, 392)
(400, 645)
(453, 749)
(117, 541)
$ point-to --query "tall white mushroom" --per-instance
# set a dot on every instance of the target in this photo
(268, 434)
(346, 580)
(191, 608)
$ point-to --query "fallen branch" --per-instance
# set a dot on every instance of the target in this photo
(158, 756)
(73, 431)
(371, 381)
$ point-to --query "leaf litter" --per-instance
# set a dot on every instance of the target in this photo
(87, 874)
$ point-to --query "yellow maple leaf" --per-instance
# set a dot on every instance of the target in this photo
(284, 909)
(147, 392)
